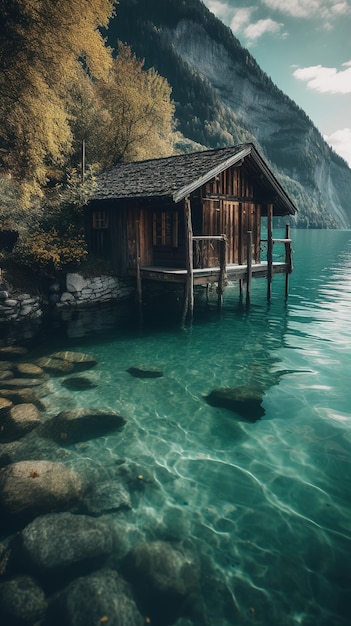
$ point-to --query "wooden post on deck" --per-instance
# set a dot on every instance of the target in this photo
(269, 249)
(288, 259)
(249, 265)
(138, 273)
(223, 269)
(189, 287)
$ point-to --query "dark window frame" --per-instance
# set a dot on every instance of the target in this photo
(165, 226)
(100, 220)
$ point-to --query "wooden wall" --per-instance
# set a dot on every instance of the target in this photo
(225, 205)
(229, 208)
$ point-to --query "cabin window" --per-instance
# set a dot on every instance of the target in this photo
(99, 219)
(165, 229)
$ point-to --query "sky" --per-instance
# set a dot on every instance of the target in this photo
(305, 48)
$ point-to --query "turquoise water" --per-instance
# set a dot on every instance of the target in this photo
(266, 503)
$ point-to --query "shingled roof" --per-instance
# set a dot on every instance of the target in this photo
(177, 176)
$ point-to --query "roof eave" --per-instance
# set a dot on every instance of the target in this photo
(291, 208)
(185, 191)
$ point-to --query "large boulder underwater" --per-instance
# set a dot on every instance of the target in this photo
(245, 401)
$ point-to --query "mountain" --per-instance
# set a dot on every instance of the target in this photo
(223, 97)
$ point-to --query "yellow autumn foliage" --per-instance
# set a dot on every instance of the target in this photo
(50, 252)
(141, 110)
(45, 47)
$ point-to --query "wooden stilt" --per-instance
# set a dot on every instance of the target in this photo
(189, 291)
(288, 259)
(138, 273)
(185, 305)
(269, 249)
(223, 269)
(249, 265)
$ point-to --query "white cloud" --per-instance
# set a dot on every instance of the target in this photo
(256, 30)
(326, 79)
(241, 18)
(326, 9)
(220, 9)
(340, 140)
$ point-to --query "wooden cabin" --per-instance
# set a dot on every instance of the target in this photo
(192, 218)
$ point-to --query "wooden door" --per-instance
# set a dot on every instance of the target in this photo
(238, 219)
(232, 229)
(208, 255)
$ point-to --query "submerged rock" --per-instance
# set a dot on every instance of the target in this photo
(21, 419)
(22, 396)
(78, 383)
(163, 577)
(32, 488)
(5, 405)
(78, 360)
(102, 597)
(12, 352)
(18, 383)
(145, 372)
(32, 447)
(53, 366)
(6, 374)
(5, 365)
(75, 425)
(106, 497)
(245, 401)
(57, 542)
(29, 370)
(22, 602)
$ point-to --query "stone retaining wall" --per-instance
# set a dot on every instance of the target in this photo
(22, 314)
(19, 306)
(80, 291)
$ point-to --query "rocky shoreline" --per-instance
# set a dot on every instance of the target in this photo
(22, 314)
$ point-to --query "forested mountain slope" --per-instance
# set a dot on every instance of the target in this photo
(222, 97)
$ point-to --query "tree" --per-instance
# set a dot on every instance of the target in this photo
(51, 234)
(141, 110)
(45, 49)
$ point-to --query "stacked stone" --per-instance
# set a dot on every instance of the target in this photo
(86, 291)
(19, 307)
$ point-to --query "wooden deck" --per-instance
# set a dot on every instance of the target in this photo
(223, 272)
(210, 274)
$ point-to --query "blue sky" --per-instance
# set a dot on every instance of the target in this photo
(305, 47)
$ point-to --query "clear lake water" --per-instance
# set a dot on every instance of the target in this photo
(267, 503)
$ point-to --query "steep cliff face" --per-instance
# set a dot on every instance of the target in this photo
(223, 97)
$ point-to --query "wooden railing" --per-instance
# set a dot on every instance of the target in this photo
(201, 256)
(222, 239)
(288, 259)
(221, 254)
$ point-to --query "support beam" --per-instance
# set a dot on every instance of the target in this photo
(269, 249)
(223, 269)
(188, 308)
(288, 259)
(248, 265)
(138, 273)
